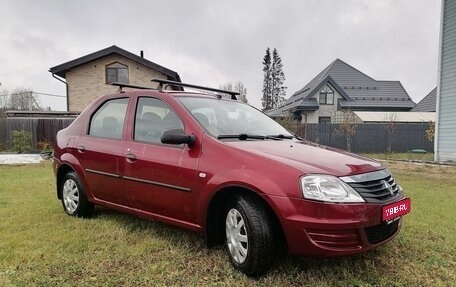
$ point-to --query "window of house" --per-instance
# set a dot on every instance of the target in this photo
(326, 96)
(152, 118)
(116, 72)
(108, 120)
(324, 120)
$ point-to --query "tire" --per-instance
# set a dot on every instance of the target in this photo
(249, 236)
(74, 198)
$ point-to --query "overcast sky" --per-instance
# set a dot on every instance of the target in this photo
(213, 42)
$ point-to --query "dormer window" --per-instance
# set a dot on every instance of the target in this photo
(326, 96)
(116, 72)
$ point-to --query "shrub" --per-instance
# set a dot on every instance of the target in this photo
(44, 146)
(21, 141)
(430, 132)
(289, 123)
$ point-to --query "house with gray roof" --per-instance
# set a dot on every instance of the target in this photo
(342, 87)
(428, 103)
(90, 76)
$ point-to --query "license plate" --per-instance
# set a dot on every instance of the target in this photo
(396, 209)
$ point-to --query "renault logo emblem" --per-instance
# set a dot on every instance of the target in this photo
(389, 187)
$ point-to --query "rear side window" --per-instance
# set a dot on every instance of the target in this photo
(108, 120)
(152, 118)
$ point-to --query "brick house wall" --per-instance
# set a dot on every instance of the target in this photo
(88, 81)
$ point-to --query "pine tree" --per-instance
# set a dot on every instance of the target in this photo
(274, 90)
(267, 91)
(278, 79)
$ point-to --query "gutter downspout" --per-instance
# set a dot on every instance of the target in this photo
(66, 84)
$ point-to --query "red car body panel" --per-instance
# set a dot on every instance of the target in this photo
(175, 184)
(328, 230)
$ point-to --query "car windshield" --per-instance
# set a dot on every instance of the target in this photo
(225, 119)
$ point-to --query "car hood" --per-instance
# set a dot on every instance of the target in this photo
(309, 157)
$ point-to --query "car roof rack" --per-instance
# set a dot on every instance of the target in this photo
(162, 84)
(123, 85)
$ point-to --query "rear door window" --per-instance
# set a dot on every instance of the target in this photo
(108, 120)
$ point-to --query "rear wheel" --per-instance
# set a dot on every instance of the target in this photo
(249, 236)
(74, 198)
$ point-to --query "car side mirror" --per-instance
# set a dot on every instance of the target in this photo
(177, 136)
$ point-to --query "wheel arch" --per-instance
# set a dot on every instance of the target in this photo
(216, 208)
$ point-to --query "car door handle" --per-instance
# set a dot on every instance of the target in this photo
(81, 148)
(131, 157)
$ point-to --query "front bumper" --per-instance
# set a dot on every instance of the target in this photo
(329, 229)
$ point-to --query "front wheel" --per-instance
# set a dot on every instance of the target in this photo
(249, 236)
(74, 198)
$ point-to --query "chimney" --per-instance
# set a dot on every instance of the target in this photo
(142, 54)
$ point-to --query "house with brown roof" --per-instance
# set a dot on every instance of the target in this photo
(90, 76)
(341, 87)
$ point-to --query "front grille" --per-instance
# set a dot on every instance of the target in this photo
(378, 233)
(377, 191)
(375, 187)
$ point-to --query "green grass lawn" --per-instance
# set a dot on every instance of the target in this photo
(407, 156)
(41, 246)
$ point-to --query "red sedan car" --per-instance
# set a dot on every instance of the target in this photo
(222, 168)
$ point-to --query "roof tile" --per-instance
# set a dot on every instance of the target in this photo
(428, 103)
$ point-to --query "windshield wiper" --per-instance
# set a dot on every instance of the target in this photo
(298, 137)
(279, 137)
(242, 137)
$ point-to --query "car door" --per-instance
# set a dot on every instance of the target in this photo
(159, 178)
(100, 151)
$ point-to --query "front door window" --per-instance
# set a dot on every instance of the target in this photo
(153, 116)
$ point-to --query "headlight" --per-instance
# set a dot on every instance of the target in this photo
(328, 188)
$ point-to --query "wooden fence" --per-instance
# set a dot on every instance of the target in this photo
(41, 129)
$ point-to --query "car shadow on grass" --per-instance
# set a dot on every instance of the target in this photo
(136, 225)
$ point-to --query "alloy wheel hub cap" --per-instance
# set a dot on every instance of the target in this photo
(70, 195)
(236, 236)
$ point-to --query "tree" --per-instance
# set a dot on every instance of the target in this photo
(274, 90)
(22, 99)
(277, 79)
(238, 87)
(347, 126)
(430, 132)
(3, 100)
(390, 126)
(226, 87)
(267, 90)
(242, 90)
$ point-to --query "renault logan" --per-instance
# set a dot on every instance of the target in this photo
(222, 168)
